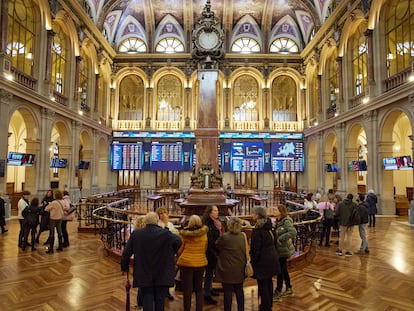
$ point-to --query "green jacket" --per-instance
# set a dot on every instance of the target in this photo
(285, 232)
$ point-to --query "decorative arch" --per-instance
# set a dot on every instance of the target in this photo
(65, 22)
(328, 48)
(350, 26)
(130, 28)
(247, 27)
(169, 28)
(287, 28)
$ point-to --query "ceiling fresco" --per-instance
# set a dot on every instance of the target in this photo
(297, 17)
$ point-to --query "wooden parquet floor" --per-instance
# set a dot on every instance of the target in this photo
(83, 278)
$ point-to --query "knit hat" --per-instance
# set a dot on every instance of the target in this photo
(260, 211)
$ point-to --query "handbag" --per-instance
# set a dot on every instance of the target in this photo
(248, 269)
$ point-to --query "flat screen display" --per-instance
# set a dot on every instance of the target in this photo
(332, 167)
(20, 159)
(83, 165)
(126, 156)
(287, 156)
(58, 162)
(247, 156)
(404, 162)
(166, 156)
(358, 165)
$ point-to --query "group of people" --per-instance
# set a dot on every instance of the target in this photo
(52, 213)
(344, 215)
(209, 248)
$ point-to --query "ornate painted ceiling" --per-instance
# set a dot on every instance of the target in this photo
(146, 19)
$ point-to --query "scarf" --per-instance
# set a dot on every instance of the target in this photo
(217, 224)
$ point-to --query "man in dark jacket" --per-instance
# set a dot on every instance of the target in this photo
(153, 248)
(344, 214)
(363, 214)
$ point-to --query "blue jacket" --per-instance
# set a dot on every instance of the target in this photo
(372, 200)
(153, 248)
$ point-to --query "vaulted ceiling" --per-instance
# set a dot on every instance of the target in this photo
(118, 18)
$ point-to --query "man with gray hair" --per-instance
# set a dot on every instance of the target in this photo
(153, 248)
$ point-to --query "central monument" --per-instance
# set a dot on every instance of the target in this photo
(206, 178)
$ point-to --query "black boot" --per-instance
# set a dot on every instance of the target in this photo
(51, 245)
(60, 248)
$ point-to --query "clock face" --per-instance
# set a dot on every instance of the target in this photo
(208, 40)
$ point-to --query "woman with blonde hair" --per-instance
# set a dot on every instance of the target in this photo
(231, 262)
(192, 261)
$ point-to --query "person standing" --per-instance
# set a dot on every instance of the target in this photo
(153, 248)
(344, 214)
(31, 220)
(372, 201)
(66, 217)
(215, 230)
(45, 216)
(231, 263)
(21, 205)
(327, 210)
(263, 257)
(192, 261)
(285, 232)
(363, 214)
(55, 208)
(3, 214)
(165, 223)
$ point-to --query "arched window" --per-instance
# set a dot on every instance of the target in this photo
(21, 34)
(245, 98)
(359, 61)
(131, 98)
(132, 45)
(59, 55)
(245, 45)
(284, 99)
(399, 35)
(332, 79)
(169, 45)
(169, 94)
(83, 82)
(284, 46)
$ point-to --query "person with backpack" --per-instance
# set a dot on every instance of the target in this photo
(363, 213)
(30, 222)
(327, 209)
(348, 217)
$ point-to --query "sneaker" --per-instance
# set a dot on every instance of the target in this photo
(208, 300)
(339, 252)
(348, 254)
(277, 296)
(288, 292)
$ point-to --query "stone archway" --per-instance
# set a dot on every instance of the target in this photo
(356, 151)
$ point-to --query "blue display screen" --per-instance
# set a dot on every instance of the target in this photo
(287, 156)
(58, 162)
(167, 156)
(20, 159)
(247, 156)
(126, 156)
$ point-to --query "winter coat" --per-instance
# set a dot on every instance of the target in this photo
(2, 212)
(263, 255)
(285, 232)
(192, 252)
(153, 248)
(212, 235)
(343, 212)
(372, 200)
(231, 258)
(363, 213)
(31, 212)
(55, 208)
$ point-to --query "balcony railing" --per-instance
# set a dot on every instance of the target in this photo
(24, 79)
(397, 79)
(60, 98)
(133, 125)
(356, 100)
(284, 126)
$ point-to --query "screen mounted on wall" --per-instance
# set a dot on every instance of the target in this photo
(287, 156)
(166, 156)
(20, 159)
(247, 156)
(126, 156)
(58, 162)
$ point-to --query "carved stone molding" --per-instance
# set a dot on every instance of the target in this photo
(5, 96)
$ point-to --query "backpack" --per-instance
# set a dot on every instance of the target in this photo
(355, 218)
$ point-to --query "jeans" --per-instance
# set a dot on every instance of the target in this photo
(371, 220)
(325, 233)
(154, 298)
(228, 293)
(363, 236)
(283, 275)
